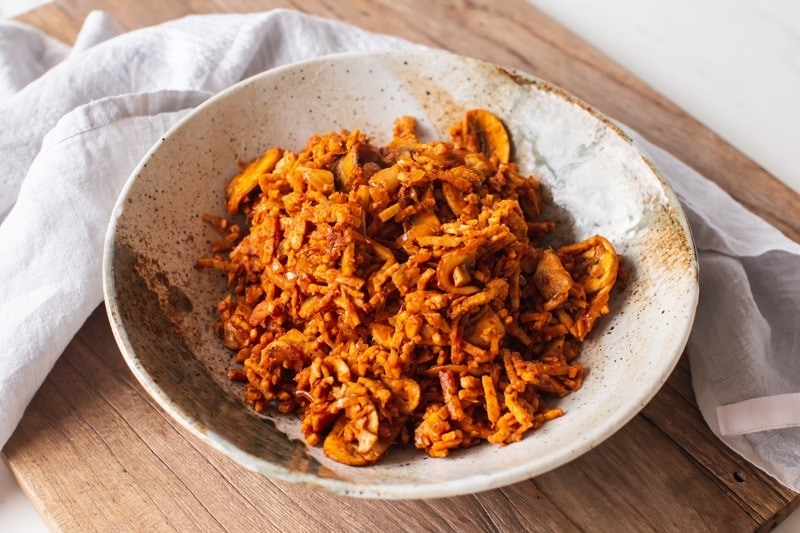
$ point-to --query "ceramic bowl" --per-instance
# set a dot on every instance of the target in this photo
(594, 180)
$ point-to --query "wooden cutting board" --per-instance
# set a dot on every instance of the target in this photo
(94, 452)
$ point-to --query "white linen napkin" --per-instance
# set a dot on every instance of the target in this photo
(76, 121)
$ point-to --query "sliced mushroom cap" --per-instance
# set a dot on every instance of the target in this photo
(425, 223)
(598, 265)
(406, 394)
(552, 280)
(489, 133)
(344, 451)
(317, 179)
(452, 272)
(247, 180)
(346, 170)
(454, 198)
(486, 330)
(340, 449)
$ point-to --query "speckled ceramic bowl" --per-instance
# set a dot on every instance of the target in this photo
(595, 180)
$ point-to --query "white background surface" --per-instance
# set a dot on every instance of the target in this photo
(732, 64)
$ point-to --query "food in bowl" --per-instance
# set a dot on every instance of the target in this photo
(400, 293)
(594, 180)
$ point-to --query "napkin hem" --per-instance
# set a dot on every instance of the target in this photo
(759, 414)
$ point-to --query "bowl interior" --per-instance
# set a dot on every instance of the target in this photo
(594, 181)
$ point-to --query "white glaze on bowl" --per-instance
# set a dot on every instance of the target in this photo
(162, 309)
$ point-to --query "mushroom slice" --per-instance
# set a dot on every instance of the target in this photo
(346, 170)
(386, 179)
(596, 267)
(318, 179)
(452, 272)
(598, 263)
(340, 449)
(454, 198)
(406, 393)
(424, 223)
(486, 330)
(247, 180)
(552, 280)
(489, 134)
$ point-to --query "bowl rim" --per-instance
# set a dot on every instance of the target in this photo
(401, 490)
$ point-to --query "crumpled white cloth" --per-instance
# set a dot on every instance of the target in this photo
(74, 123)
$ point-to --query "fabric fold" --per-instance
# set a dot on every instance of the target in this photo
(97, 27)
(25, 54)
(745, 339)
(52, 276)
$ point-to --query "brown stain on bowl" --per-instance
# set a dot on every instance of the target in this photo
(172, 373)
(674, 232)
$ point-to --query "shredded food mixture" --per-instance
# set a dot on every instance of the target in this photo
(397, 293)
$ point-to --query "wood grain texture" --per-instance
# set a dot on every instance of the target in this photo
(95, 452)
